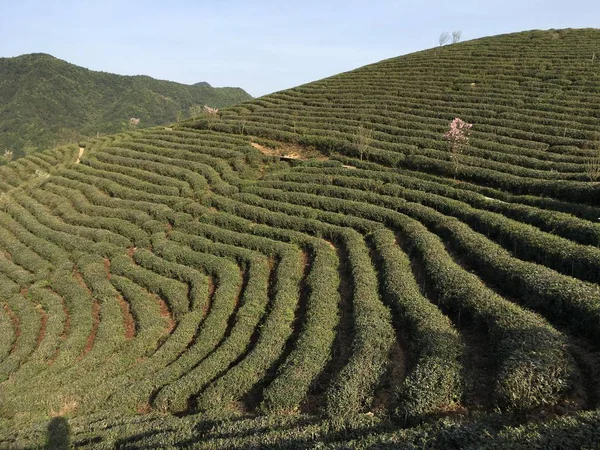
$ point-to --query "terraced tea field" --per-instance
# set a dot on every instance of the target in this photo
(188, 287)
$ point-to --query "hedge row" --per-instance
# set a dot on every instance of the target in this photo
(78, 211)
(52, 322)
(77, 302)
(564, 225)
(96, 238)
(373, 330)
(137, 212)
(589, 213)
(396, 136)
(28, 320)
(7, 328)
(353, 388)
(22, 255)
(312, 349)
(435, 381)
(47, 250)
(192, 338)
(213, 170)
(557, 296)
(187, 181)
(14, 272)
(173, 292)
(229, 344)
(510, 325)
(523, 240)
(275, 330)
(195, 280)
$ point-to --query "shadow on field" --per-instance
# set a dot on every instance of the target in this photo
(58, 436)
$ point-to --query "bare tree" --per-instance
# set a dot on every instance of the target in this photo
(8, 156)
(456, 35)
(5, 202)
(295, 121)
(444, 37)
(243, 122)
(364, 136)
(211, 115)
(592, 168)
(209, 110)
(41, 174)
(133, 123)
(195, 110)
(29, 148)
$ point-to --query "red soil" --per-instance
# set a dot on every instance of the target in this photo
(66, 328)
(164, 312)
(16, 325)
(43, 325)
(128, 320)
(212, 287)
(107, 268)
(95, 323)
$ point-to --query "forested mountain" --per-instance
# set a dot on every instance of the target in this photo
(45, 102)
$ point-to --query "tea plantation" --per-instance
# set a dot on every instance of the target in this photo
(315, 268)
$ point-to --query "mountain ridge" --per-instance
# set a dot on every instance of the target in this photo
(47, 101)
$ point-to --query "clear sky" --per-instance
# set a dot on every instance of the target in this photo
(262, 46)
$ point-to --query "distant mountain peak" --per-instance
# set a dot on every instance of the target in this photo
(36, 56)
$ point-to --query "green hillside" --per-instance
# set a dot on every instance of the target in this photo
(45, 102)
(320, 267)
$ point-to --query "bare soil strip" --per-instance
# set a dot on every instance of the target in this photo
(43, 324)
(66, 328)
(89, 344)
(16, 325)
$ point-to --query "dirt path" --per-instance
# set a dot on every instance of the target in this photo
(66, 328)
(16, 326)
(81, 150)
(91, 340)
(43, 325)
(290, 151)
(128, 320)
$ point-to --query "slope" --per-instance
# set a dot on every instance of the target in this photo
(267, 277)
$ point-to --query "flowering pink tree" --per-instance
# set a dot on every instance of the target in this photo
(458, 138)
(211, 115)
(592, 168)
(210, 110)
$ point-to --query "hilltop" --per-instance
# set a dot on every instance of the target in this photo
(45, 102)
(316, 267)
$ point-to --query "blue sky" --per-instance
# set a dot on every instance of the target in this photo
(261, 46)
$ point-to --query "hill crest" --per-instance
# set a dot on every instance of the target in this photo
(320, 267)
